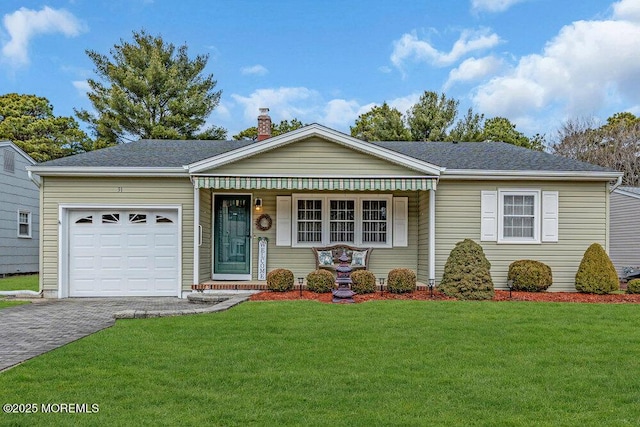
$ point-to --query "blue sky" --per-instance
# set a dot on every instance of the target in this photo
(536, 62)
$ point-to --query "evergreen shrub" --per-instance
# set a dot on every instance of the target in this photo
(467, 273)
(363, 282)
(633, 286)
(280, 280)
(401, 280)
(320, 281)
(596, 273)
(529, 275)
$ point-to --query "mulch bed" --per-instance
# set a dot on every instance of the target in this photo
(424, 296)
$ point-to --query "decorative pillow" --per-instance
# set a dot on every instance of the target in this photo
(358, 258)
(325, 258)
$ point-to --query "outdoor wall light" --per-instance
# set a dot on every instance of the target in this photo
(300, 281)
(258, 204)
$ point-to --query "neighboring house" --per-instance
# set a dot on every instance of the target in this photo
(625, 228)
(19, 212)
(155, 217)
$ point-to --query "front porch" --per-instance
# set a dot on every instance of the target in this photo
(261, 285)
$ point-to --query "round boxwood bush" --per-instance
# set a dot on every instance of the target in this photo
(280, 280)
(467, 273)
(363, 282)
(596, 273)
(320, 281)
(401, 280)
(530, 276)
(633, 286)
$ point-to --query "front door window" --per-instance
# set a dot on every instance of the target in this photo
(232, 234)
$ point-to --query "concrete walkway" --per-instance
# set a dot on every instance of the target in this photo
(30, 330)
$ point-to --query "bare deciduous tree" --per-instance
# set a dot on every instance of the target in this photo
(614, 145)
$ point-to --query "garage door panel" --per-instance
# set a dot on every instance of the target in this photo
(123, 253)
(139, 241)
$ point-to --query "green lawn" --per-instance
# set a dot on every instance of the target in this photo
(27, 282)
(376, 363)
(5, 304)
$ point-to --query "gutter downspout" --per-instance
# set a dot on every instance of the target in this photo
(616, 185)
(32, 177)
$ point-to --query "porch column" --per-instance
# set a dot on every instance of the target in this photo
(196, 235)
(432, 235)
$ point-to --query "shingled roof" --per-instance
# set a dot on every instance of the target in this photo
(489, 156)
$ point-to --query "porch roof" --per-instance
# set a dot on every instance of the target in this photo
(316, 183)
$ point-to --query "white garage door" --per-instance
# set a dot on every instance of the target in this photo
(123, 253)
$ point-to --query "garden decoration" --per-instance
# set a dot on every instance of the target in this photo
(343, 294)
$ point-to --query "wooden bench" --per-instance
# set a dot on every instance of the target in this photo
(328, 257)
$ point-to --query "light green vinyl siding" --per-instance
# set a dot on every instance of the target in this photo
(313, 156)
(301, 260)
(106, 191)
(582, 221)
(206, 254)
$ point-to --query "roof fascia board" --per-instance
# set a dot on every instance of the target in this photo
(27, 157)
(529, 174)
(105, 171)
(319, 176)
(315, 130)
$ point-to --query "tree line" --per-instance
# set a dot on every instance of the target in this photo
(150, 89)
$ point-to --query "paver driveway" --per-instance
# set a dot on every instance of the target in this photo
(29, 330)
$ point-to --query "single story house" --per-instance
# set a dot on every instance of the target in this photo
(625, 228)
(19, 212)
(154, 217)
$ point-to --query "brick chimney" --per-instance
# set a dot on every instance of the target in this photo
(264, 124)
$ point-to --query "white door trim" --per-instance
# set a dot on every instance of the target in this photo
(64, 229)
(215, 276)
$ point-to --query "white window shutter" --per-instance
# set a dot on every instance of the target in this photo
(489, 216)
(400, 221)
(550, 216)
(283, 221)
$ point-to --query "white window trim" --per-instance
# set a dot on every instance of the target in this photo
(536, 213)
(29, 216)
(325, 198)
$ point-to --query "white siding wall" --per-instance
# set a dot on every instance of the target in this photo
(18, 192)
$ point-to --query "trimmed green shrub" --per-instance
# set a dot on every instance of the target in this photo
(363, 282)
(633, 286)
(467, 273)
(596, 274)
(529, 275)
(401, 280)
(280, 280)
(320, 281)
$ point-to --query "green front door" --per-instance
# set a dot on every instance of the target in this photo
(232, 237)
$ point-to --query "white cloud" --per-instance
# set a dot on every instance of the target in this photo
(284, 103)
(409, 47)
(627, 10)
(82, 86)
(473, 69)
(24, 24)
(255, 70)
(493, 5)
(589, 66)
